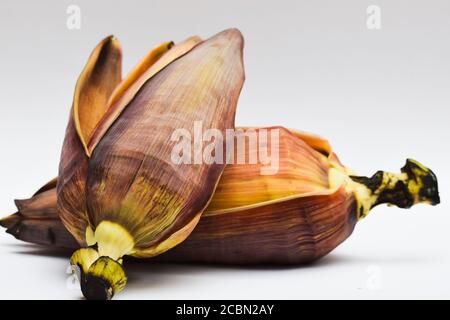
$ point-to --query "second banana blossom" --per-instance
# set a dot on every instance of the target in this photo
(295, 216)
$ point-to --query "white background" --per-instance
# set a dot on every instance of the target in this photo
(379, 96)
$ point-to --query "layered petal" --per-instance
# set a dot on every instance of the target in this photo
(99, 98)
(97, 81)
(291, 230)
(154, 62)
(301, 169)
(132, 180)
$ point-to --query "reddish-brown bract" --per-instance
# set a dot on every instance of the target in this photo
(288, 232)
(288, 218)
(100, 77)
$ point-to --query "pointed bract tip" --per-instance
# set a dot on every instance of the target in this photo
(235, 32)
(10, 221)
(115, 42)
(231, 34)
(111, 42)
(112, 38)
(19, 204)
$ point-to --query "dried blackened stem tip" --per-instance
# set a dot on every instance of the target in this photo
(103, 279)
(95, 288)
(100, 277)
(415, 184)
